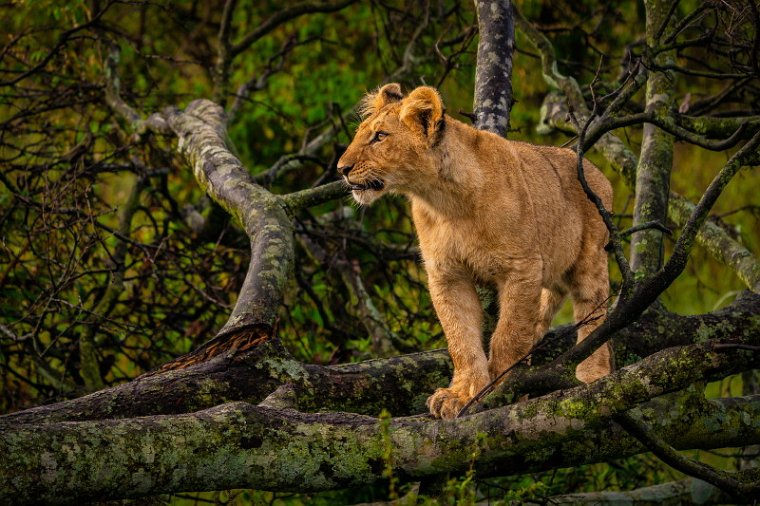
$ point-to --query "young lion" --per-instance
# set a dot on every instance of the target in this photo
(492, 210)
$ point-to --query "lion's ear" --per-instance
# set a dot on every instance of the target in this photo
(380, 98)
(423, 110)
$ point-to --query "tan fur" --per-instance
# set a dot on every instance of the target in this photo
(491, 210)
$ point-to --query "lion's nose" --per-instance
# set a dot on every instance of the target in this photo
(345, 169)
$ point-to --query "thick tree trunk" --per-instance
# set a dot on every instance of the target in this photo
(241, 445)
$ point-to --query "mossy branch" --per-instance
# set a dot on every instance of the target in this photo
(238, 445)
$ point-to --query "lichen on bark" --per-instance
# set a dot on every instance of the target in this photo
(656, 156)
(239, 445)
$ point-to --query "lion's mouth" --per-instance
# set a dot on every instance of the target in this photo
(372, 184)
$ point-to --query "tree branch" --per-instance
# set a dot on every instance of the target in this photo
(242, 446)
(284, 16)
(735, 484)
(656, 156)
(200, 129)
(311, 197)
(399, 384)
(703, 361)
(716, 241)
(202, 136)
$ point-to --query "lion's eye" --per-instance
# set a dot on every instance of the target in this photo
(378, 137)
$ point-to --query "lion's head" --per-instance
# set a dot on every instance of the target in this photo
(394, 148)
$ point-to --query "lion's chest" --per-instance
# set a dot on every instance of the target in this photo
(484, 247)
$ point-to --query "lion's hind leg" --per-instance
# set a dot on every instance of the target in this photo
(590, 292)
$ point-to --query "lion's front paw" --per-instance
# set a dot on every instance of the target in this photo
(446, 403)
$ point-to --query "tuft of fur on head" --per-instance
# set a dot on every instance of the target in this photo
(376, 100)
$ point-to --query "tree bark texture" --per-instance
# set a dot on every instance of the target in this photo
(493, 78)
(201, 130)
(242, 445)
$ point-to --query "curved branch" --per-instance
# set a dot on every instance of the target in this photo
(667, 123)
(284, 16)
(200, 129)
(202, 136)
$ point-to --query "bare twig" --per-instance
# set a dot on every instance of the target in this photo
(284, 16)
(645, 226)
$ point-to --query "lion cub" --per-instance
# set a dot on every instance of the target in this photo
(492, 210)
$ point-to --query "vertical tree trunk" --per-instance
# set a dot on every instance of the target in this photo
(656, 160)
(493, 78)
